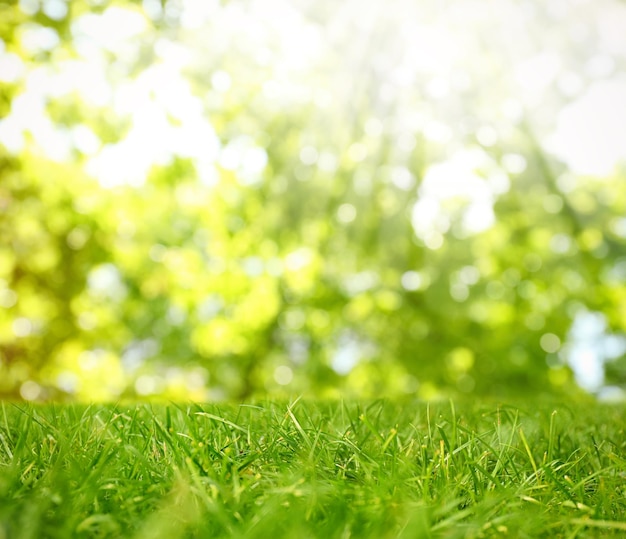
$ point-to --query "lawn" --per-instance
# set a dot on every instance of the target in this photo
(312, 469)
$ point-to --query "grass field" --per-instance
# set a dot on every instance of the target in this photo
(311, 469)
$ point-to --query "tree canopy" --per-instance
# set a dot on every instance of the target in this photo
(214, 201)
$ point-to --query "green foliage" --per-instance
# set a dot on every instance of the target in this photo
(375, 469)
(207, 279)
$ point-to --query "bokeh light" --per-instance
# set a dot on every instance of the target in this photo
(213, 200)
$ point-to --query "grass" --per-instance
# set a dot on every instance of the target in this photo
(380, 469)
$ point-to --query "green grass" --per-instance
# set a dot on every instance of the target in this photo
(310, 469)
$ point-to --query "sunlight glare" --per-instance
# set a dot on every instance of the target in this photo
(591, 132)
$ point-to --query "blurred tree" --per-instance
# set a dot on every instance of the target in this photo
(193, 227)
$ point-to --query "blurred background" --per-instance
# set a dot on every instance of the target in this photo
(212, 200)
